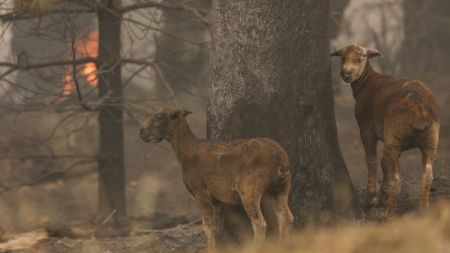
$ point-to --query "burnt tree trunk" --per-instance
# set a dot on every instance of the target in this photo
(111, 164)
(271, 78)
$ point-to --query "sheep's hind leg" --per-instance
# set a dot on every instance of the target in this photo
(428, 156)
(277, 206)
(218, 223)
(251, 201)
(284, 215)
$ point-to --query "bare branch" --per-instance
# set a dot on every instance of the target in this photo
(18, 15)
(164, 5)
(158, 72)
(28, 66)
(45, 178)
(74, 76)
(153, 28)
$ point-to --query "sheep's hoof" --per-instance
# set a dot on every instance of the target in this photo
(372, 200)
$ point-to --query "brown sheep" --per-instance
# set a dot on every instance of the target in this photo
(239, 172)
(400, 112)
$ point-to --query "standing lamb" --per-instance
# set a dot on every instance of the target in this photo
(400, 112)
(240, 172)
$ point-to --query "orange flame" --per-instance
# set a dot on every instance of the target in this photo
(68, 85)
(84, 48)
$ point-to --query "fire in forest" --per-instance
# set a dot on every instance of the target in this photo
(86, 47)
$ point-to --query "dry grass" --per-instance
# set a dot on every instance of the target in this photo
(24, 241)
(425, 233)
(428, 232)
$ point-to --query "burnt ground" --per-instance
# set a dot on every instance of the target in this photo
(180, 238)
(188, 237)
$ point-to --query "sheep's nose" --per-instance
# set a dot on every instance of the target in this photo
(346, 71)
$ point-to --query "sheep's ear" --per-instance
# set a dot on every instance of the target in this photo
(177, 113)
(337, 52)
(371, 52)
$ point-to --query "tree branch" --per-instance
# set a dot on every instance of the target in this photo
(46, 177)
(201, 15)
(158, 72)
(18, 15)
(28, 66)
(74, 76)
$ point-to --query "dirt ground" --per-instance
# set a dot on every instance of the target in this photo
(400, 235)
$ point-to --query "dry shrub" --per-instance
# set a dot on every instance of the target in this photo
(24, 241)
(428, 232)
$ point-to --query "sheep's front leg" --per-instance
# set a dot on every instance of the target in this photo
(206, 208)
(369, 140)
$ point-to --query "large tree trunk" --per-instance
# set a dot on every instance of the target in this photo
(271, 78)
(111, 164)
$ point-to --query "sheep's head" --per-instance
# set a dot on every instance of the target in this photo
(157, 126)
(354, 59)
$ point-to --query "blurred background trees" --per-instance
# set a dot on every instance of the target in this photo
(70, 59)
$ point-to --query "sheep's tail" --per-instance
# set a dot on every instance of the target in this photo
(421, 122)
(283, 171)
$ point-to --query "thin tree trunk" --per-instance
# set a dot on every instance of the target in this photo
(111, 163)
(337, 8)
(271, 78)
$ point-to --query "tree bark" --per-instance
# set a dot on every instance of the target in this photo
(111, 164)
(271, 78)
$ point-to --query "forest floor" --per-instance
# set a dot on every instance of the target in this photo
(411, 232)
